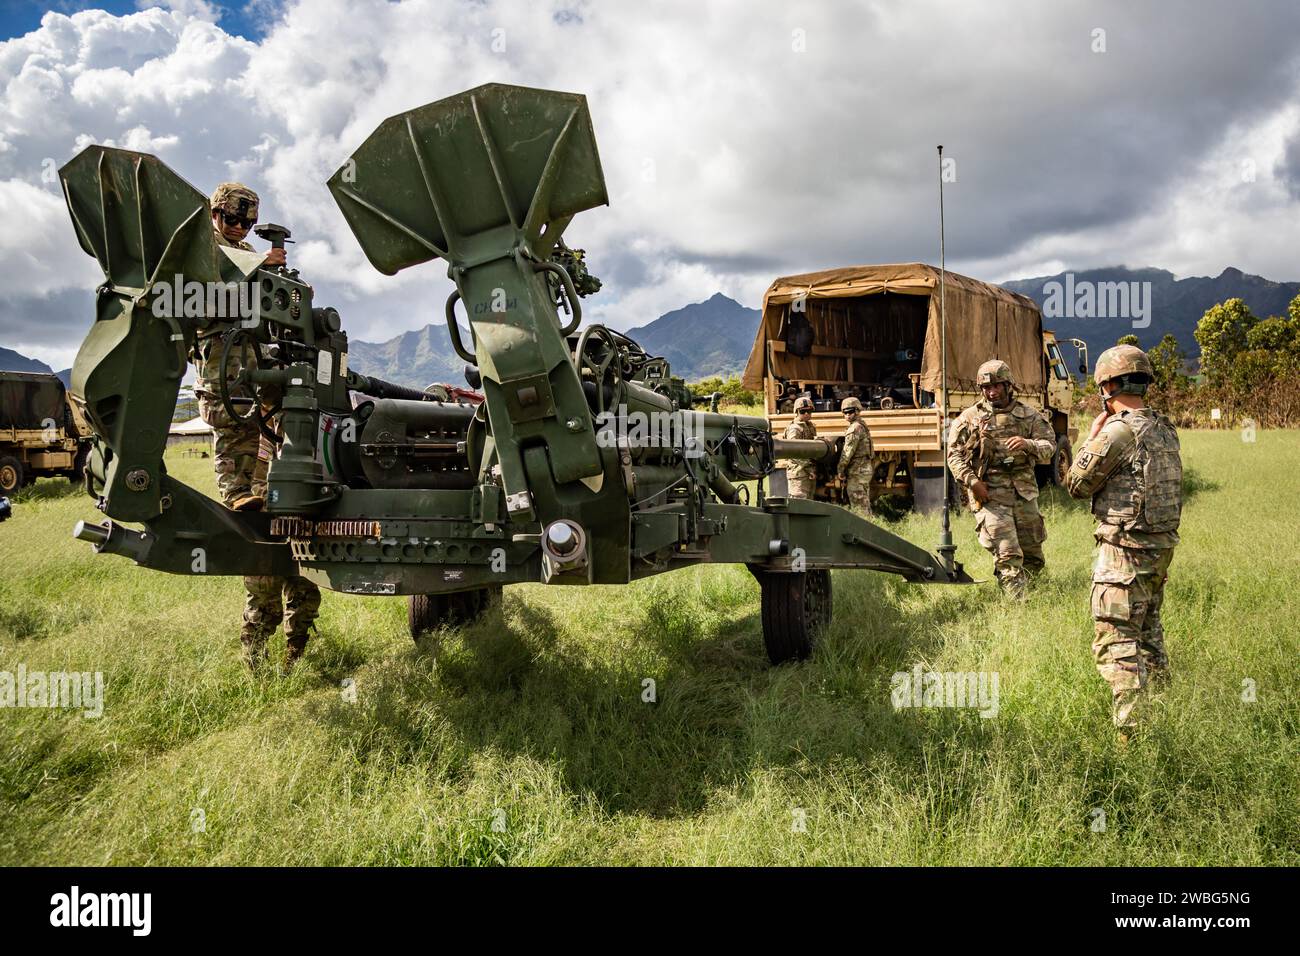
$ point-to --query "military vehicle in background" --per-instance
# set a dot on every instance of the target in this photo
(873, 332)
(583, 465)
(42, 434)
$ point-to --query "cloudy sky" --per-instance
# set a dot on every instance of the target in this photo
(740, 140)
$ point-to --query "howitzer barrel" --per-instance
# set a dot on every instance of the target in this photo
(378, 388)
(814, 449)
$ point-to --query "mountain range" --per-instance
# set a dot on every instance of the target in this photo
(1173, 306)
(11, 361)
(714, 337)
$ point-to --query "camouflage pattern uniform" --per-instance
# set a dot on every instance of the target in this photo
(242, 455)
(856, 463)
(237, 446)
(1133, 472)
(800, 473)
(1009, 524)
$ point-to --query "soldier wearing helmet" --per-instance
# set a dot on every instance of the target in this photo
(1131, 468)
(241, 454)
(801, 474)
(993, 447)
(234, 213)
(856, 463)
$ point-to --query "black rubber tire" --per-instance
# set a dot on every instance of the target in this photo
(796, 607)
(11, 475)
(428, 612)
(1061, 463)
(77, 474)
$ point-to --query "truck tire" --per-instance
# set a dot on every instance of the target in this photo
(428, 612)
(1061, 462)
(1054, 473)
(796, 607)
(78, 465)
(11, 475)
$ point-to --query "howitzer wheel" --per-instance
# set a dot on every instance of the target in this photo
(428, 612)
(796, 608)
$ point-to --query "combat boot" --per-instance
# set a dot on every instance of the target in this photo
(1016, 586)
(253, 651)
(248, 503)
(295, 645)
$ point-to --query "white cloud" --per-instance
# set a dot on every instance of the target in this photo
(735, 148)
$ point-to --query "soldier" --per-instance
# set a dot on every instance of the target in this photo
(800, 473)
(241, 455)
(237, 445)
(1132, 470)
(856, 464)
(992, 449)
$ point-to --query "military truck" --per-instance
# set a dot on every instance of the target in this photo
(41, 433)
(873, 332)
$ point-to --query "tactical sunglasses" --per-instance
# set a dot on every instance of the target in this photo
(230, 219)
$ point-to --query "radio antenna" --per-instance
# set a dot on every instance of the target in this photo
(946, 548)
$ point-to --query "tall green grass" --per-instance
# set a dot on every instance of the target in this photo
(525, 738)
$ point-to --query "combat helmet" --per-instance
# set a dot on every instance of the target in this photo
(1129, 364)
(802, 402)
(236, 199)
(993, 371)
(851, 403)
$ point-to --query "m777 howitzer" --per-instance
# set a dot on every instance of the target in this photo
(582, 466)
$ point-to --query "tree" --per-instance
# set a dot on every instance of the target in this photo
(1168, 363)
(733, 392)
(1253, 370)
(1222, 335)
(1276, 333)
(1128, 340)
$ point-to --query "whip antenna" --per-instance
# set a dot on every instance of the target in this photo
(946, 548)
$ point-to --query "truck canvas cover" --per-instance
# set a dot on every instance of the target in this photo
(984, 321)
(29, 399)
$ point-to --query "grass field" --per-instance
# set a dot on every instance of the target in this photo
(524, 739)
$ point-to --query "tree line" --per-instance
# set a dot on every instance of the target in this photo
(1249, 369)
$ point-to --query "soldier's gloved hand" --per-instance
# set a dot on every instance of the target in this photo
(980, 491)
(275, 258)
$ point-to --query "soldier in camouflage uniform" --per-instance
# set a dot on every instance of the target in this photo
(856, 463)
(800, 473)
(241, 456)
(992, 449)
(237, 445)
(1132, 469)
